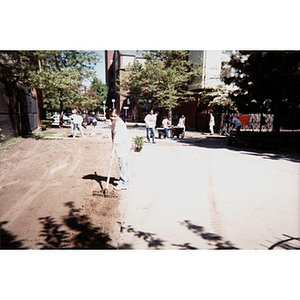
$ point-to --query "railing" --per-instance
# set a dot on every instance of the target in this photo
(250, 122)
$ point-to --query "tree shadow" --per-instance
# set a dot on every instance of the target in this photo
(185, 246)
(9, 241)
(220, 142)
(214, 239)
(54, 237)
(153, 242)
(150, 238)
(76, 232)
(100, 179)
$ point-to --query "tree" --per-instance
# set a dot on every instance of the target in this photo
(262, 75)
(218, 99)
(59, 74)
(100, 89)
(163, 79)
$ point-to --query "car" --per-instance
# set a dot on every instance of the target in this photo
(55, 119)
(100, 117)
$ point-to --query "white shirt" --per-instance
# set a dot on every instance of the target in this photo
(121, 139)
(76, 119)
(181, 123)
(212, 120)
(165, 123)
(150, 121)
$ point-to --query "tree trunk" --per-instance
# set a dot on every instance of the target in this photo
(170, 115)
(61, 113)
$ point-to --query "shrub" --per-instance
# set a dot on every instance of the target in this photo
(2, 136)
(44, 124)
(138, 143)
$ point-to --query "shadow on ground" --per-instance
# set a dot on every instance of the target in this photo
(220, 142)
(150, 238)
(8, 240)
(100, 179)
(76, 232)
(154, 242)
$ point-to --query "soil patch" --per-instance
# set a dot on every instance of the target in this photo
(46, 199)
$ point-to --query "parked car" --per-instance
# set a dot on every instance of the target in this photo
(100, 117)
(55, 118)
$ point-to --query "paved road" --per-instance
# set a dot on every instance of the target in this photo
(200, 194)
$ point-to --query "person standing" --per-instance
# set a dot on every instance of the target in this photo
(166, 125)
(76, 121)
(150, 121)
(121, 147)
(211, 122)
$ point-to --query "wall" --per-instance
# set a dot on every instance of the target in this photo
(18, 111)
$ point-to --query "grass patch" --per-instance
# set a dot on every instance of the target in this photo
(5, 145)
(38, 135)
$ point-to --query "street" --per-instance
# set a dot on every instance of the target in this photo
(197, 193)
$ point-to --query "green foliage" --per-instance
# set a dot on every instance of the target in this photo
(44, 124)
(261, 75)
(164, 78)
(7, 144)
(37, 135)
(218, 99)
(2, 136)
(59, 74)
(100, 90)
(138, 142)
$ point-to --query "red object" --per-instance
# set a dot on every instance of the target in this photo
(244, 120)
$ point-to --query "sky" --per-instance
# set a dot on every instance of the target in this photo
(100, 67)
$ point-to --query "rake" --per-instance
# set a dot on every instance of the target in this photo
(104, 192)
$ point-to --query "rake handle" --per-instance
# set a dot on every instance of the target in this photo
(112, 155)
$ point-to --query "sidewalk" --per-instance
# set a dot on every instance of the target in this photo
(185, 194)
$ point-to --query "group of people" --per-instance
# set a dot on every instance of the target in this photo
(235, 121)
(122, 142)
(150, 121)
(79, 121)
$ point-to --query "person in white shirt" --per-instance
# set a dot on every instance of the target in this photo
(166, 125)
(181, 122)
(76, 121)
(122, 144)
(150, 121)
(211, 122)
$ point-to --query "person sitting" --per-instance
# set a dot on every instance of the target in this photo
(237, 123)
(181, 122)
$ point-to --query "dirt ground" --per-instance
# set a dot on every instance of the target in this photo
(46, 192)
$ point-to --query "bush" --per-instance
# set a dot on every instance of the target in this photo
(138, 143)
(44, 124)
(2, 136)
